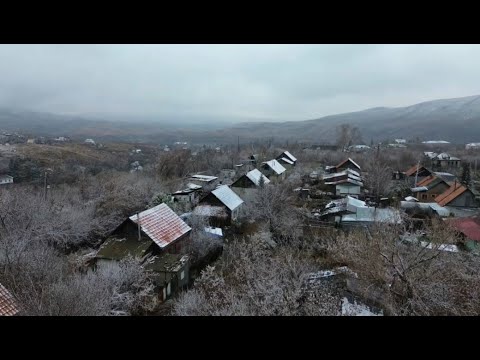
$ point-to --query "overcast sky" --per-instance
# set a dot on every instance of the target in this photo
(275, 82)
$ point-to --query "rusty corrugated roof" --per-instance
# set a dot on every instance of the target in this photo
(8, 305)
(161, 224)
(413, 170)
(426, 181)
(450, 194)
(470, 227)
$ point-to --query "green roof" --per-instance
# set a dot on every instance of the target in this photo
(115, 248)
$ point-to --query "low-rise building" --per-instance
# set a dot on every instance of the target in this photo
(6, 179)
(155, 237)
(225, 199)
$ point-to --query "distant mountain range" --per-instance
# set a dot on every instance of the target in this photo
(455, 120)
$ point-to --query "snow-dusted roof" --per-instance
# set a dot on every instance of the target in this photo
(205, 178)
(411, 198)
(288, 161)
(193, 186)
(419, 189)
(161, 224)
(255, 175)
(435, 142)
(228, 197)
(214, 230)
(345, 181)
(275, 166)
(371, 214)
(351, 174)
(290, 156)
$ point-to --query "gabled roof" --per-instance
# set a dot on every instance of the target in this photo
(161, 224)
(288, 161)
(193, 186)
(255, 175)
(205, 178)
(413, 170)
(347, 160)
(275, 166)
(290, 156)
(228, 197)
(349, 173)
(8, 305)
(431, 181)
(345, 181)
(451, 194)
(470, 227)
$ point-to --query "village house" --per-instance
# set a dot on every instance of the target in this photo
(442, 160)
(351, 212)
(6, 179)
(346, 182)
(273, 169)
(155, 237)
(359, 148)
(417, 173)
(190, 194)
(472, 146)
(8, 305)
(345, 164)
(89, 141)
(246, 186)
(400, 141)
(204, 180)
(469, 231)
(221, 206)
(429, 188)
(423, 210)
(287, 158)
(457, 195)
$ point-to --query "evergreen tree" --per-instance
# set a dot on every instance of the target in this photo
(466, 178)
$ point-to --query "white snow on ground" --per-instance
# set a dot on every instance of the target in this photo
(356, 309)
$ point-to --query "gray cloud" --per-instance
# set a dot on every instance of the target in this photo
(277, 82)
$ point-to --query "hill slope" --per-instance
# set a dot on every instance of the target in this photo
(455, 120)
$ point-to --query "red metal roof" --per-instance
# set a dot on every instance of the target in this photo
(413, 170)
(161, 224)
(8, 306)
(470, 227)
(426, 181)
(450, 194)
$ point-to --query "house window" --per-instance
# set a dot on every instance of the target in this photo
(433, 196)
(182, 275)
(424, 196)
